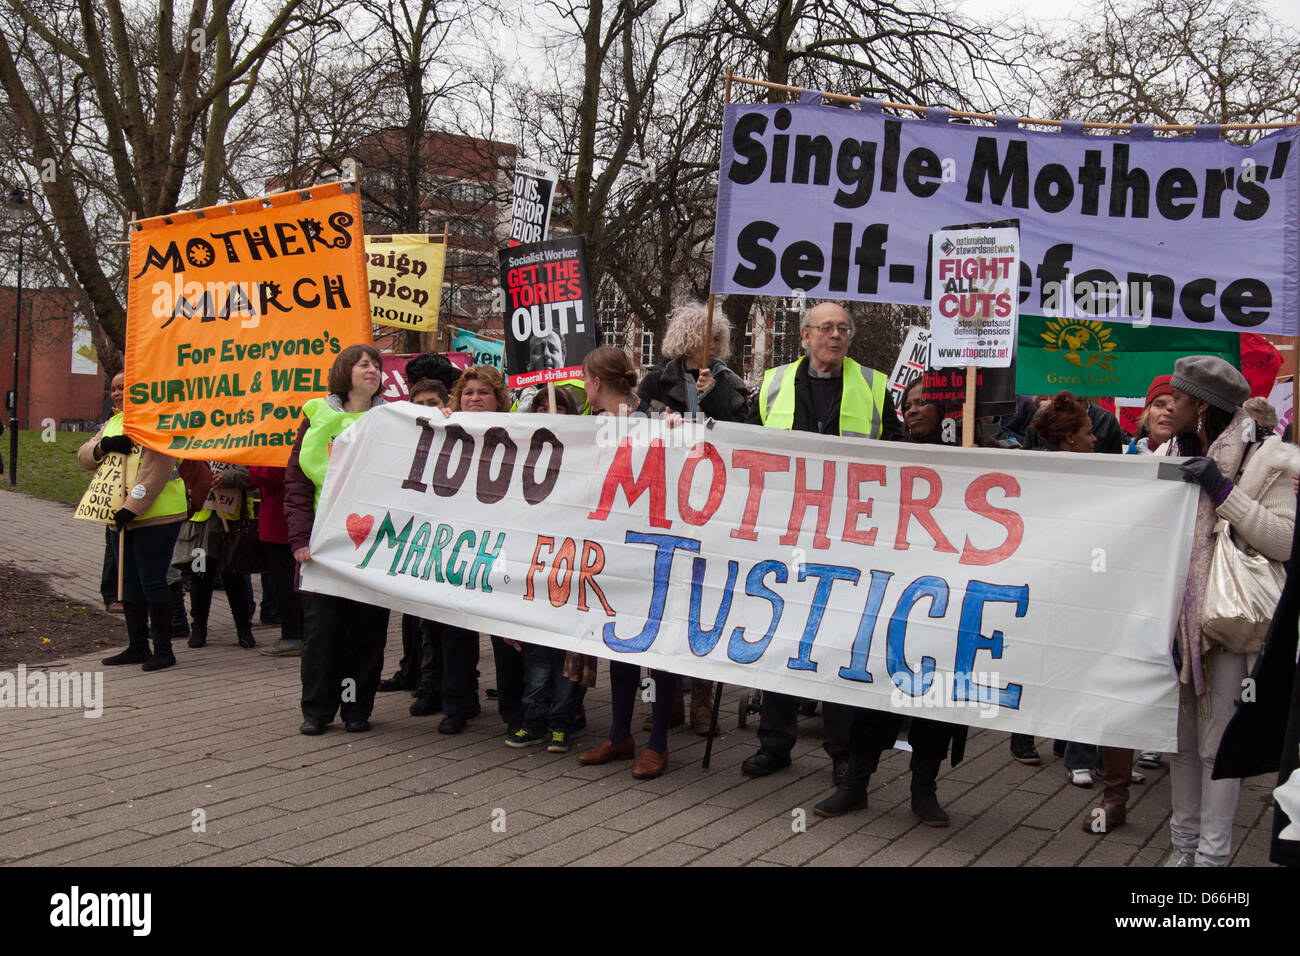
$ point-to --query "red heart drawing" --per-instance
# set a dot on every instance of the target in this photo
(359, 528)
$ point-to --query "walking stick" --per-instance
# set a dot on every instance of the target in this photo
(121, 559)
(713, 726)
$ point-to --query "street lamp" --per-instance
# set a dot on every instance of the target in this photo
(17, 202)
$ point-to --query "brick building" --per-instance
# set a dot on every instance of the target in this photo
(54, 381)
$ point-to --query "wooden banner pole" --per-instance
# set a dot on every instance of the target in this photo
(992, 118)
(121, 561)
(968, 410)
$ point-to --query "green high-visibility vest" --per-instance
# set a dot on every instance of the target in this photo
(326, 424)
(171, 500)
(574, 385)
(861, 404)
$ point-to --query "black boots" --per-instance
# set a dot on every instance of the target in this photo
(925, 803)
(180, 626)
(245, 634)
(850, 795)
(137, 636)
(160, 627)
(199, 634)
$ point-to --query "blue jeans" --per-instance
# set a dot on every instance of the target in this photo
(547, 692)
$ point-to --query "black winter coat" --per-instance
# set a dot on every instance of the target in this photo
(1264, 734)
(666, 384)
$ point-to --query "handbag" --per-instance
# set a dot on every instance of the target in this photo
(1241, 594)
(237, 546)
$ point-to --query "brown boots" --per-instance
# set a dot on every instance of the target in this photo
(701, 707)
(1116, 767)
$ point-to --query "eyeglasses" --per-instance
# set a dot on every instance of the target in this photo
(830, 328)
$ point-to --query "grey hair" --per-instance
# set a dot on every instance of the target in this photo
(1262, 410)
(687, 325)
(806, 319)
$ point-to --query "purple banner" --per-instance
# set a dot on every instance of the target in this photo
(837, 203)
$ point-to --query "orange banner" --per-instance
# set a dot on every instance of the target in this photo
(234, 316)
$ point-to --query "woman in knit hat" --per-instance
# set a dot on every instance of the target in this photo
(1156, 425)
(1247, 483)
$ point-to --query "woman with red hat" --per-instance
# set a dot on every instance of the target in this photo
(1156, 425)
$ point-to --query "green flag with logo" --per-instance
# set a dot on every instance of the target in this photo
(1088, 357)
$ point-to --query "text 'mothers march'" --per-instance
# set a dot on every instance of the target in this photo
(235, 314)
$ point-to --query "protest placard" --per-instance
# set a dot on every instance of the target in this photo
(107, 489)
(224, 500)
(1028, 593)
(1282, 397)
(480, 351)
(913, 360)
(405, 280)
(549, 319)
(1192, 232)
(235, 314)
(1089, 357)
(973, 301)
(396, 385)
(995, 390)
(530, 201)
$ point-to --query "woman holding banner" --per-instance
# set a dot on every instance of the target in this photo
(1246, 482)
(479, 389)
(343, 640)
(923, 423)
(688, 382)
(1063, 424)
(610, 382)
(150, 519)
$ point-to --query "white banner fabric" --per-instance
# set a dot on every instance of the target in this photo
(1031, 592)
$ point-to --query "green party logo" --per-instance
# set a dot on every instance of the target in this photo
(1081, 342)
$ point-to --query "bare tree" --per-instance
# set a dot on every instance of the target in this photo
(1170, 61)
(126, 142)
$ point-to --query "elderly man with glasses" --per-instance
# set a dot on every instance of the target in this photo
(828, 393)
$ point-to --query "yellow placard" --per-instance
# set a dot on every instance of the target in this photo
(106, 492)
(405, 274)
(235, 314)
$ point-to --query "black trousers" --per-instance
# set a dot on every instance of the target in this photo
(459, 671)
(108, 577)
(281, 568)
(510, 682)
(850, 731)
(930, 739)
(342, 656)
(428, 673)
(778, 725)
(408, 669)
(870, 733)
(239, 595)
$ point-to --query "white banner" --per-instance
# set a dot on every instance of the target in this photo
(974, 306)
(1024, 591)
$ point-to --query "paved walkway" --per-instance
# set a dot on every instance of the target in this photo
(202, 764)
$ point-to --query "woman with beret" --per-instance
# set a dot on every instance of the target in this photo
(1246, 481)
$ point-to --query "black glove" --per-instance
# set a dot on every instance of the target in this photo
(123, 517)
(115, 443)
(1204, 472)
